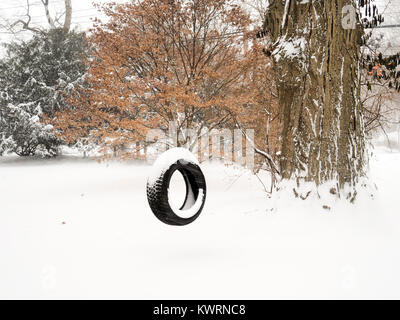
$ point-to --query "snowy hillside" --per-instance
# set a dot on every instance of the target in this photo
(73, 228)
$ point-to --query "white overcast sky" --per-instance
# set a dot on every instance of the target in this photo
(83, 11)
(12, 10)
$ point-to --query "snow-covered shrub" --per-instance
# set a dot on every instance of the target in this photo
(23, 133)
(35, 79)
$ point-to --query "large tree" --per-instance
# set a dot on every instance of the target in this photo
(165, 61)
(316, 64)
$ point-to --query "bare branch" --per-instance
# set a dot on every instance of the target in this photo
(25, 24)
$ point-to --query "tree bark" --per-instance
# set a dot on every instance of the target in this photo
(316, 65)
(48, 16)
(68, 16)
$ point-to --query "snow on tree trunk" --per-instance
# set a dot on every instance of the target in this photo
(316, 64)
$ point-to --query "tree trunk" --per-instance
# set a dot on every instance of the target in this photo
(68, 16)
(48, 16)
(316, 64)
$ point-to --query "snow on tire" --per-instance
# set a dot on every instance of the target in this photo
(182, 160)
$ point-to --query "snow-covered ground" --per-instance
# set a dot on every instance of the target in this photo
(74, 228)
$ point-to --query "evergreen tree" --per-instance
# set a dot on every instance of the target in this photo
(35, 79)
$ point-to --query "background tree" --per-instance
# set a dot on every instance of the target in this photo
(165, 61)
(35, 76)
(380, 83)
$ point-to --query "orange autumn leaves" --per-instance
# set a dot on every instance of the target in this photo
(161, 61)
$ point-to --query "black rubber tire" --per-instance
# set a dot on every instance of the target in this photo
(157, 193)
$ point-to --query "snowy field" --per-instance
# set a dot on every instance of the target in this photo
(75, 228)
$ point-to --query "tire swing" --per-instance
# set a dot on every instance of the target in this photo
(182, 160)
